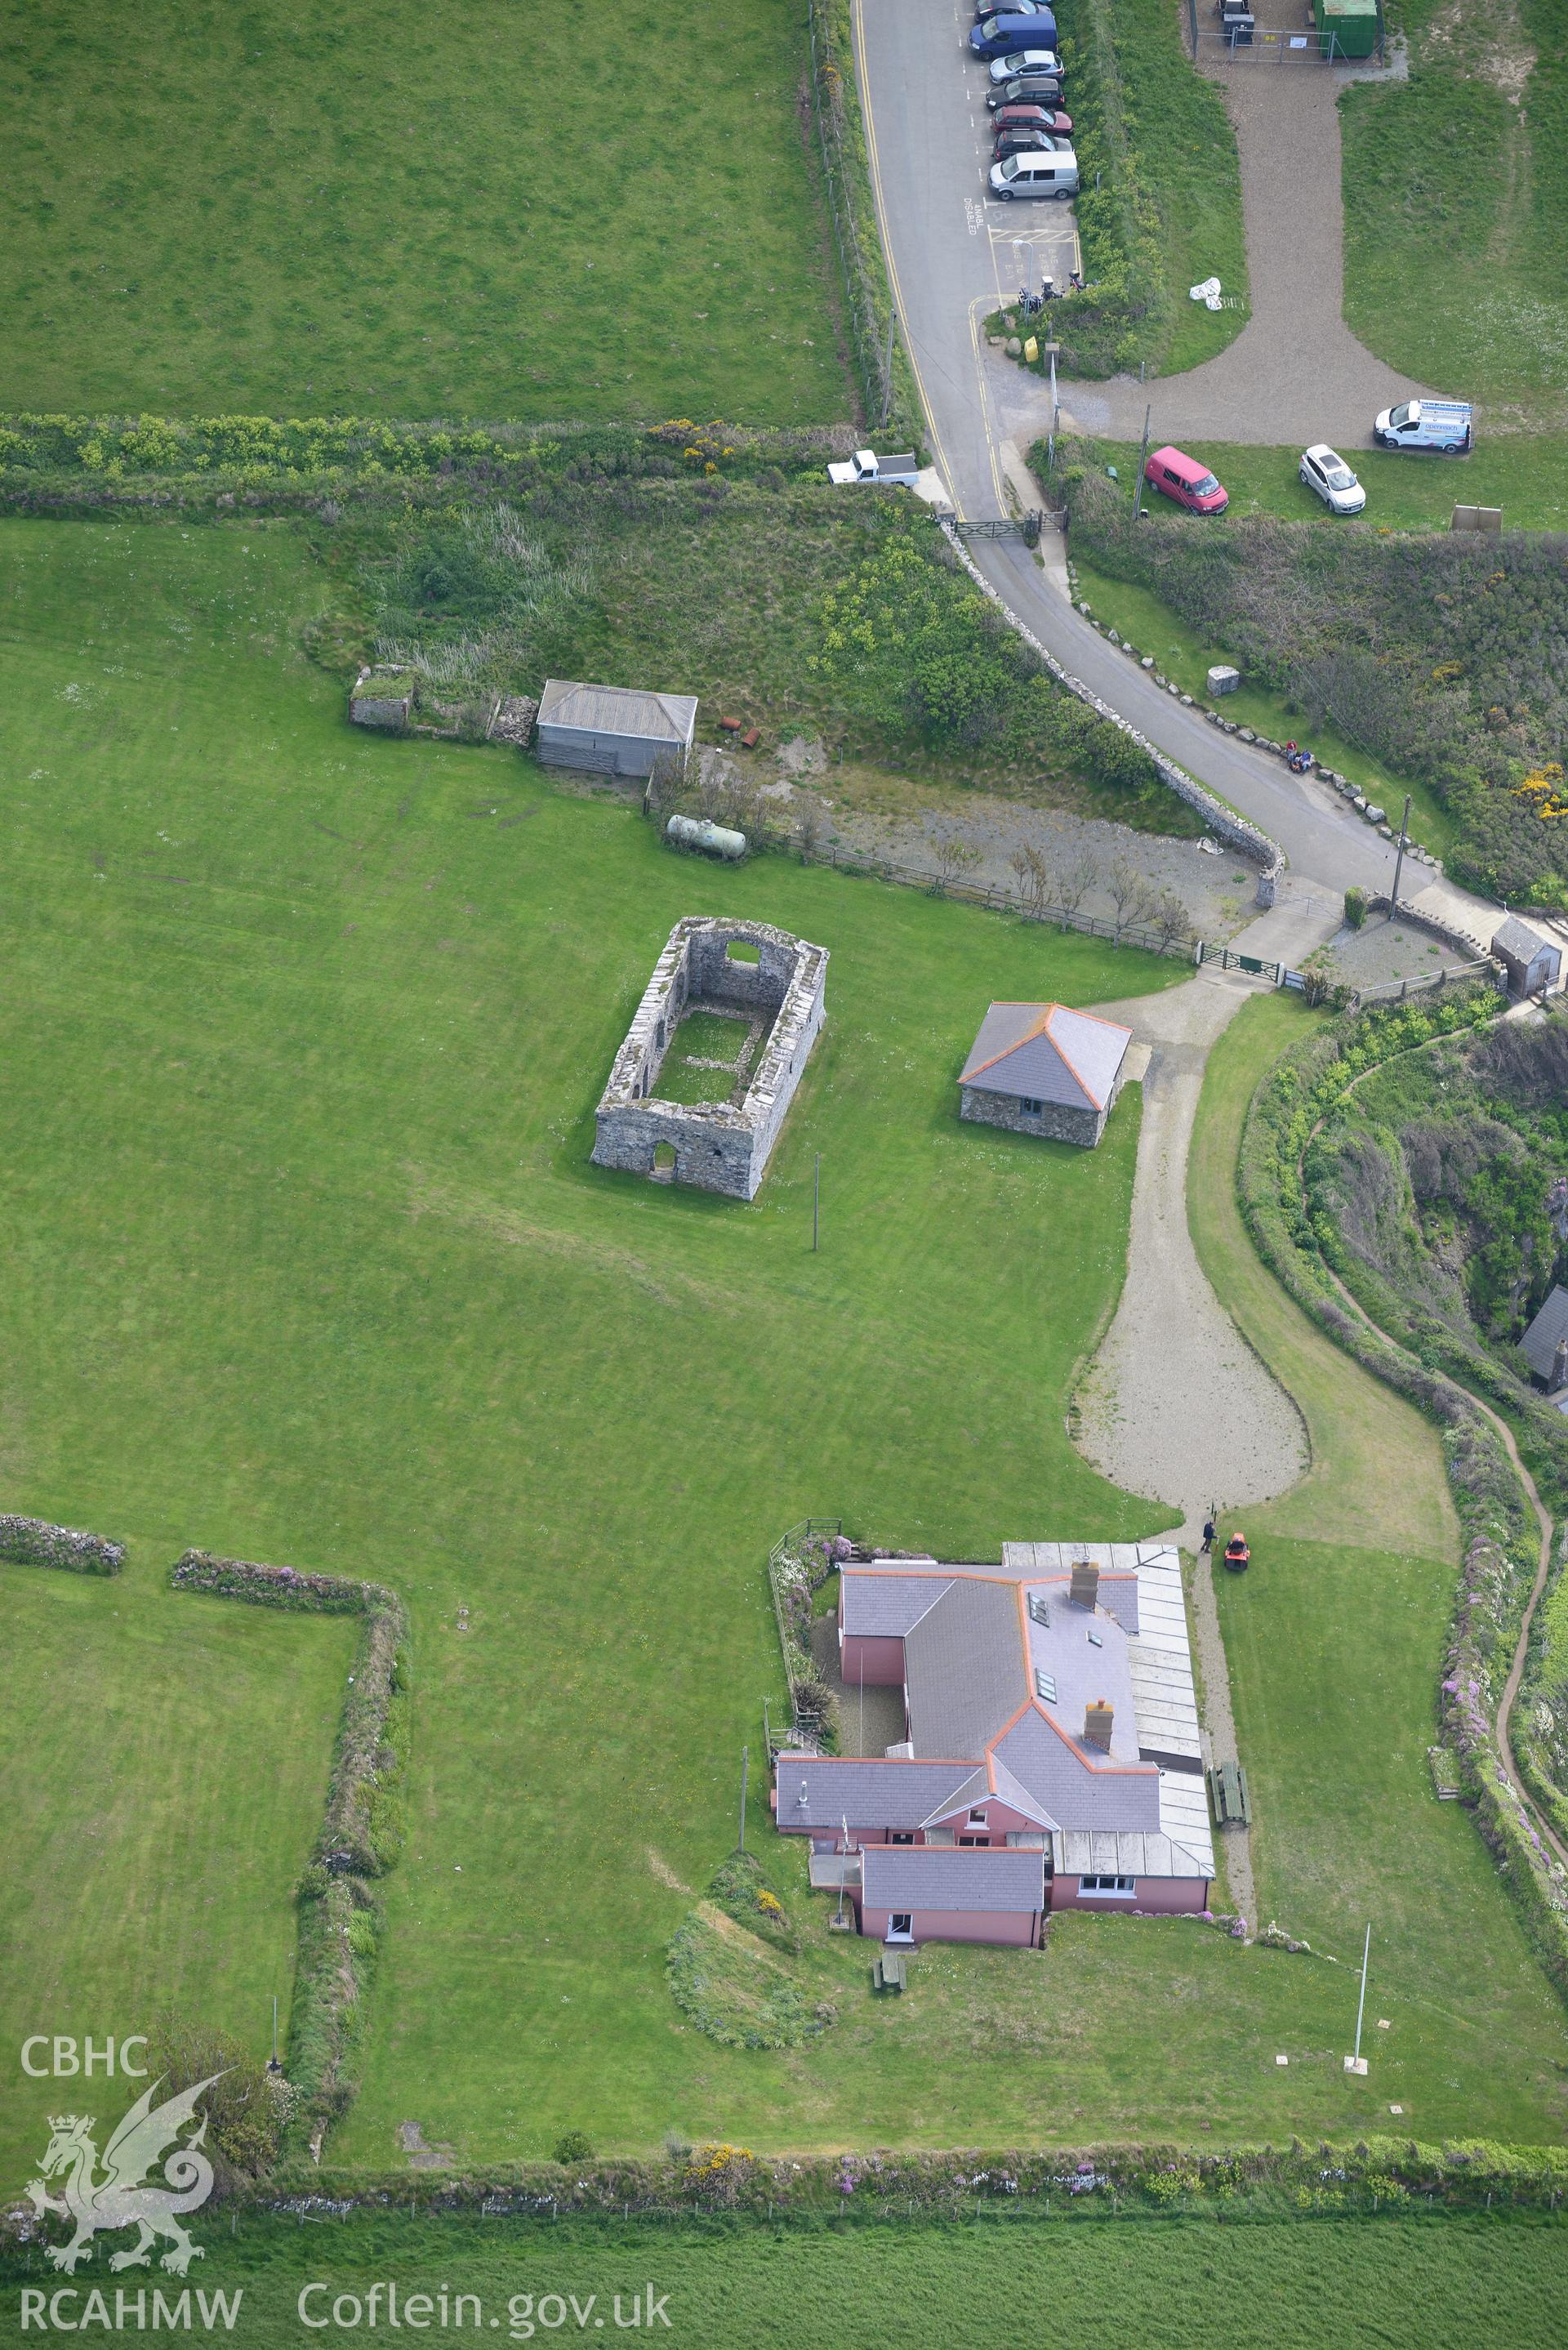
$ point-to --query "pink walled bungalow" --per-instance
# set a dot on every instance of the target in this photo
(1050, 1757)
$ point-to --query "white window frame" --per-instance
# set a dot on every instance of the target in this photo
(1102, 1887)
(898, 1934)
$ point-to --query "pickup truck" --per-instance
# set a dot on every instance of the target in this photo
(866, 466)
(1445, 424)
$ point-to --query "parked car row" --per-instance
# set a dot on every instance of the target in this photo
(1437, 424)
(1032, 132)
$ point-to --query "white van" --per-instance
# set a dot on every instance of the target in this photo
(1048, 173)
(1445, 424)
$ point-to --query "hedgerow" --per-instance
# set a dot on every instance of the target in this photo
(361, 1835)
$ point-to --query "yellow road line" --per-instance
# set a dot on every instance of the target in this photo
(869, 120)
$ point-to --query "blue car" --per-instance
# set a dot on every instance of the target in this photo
(998, 36)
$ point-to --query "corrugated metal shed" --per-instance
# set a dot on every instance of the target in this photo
(611, 729)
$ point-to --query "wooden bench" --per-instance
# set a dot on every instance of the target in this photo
(1228, 1795)
(888, 1973)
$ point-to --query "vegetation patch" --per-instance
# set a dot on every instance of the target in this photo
(789, 607)
(1459, 276)
(736, 1991)
(1160, 207)
(1445, 655)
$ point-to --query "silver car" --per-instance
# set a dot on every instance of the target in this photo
(1325, 471)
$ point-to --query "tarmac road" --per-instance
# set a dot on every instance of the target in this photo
(951, 259)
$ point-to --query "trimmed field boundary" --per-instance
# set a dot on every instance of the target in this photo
(361, 1832)
(1227, 826)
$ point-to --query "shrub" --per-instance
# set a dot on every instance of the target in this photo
(573, 2146)
(1355, 908)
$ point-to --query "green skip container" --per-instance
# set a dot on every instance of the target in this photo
(1353, 23)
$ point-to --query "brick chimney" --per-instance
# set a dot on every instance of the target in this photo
(1559, 1367)
(1083, 1590)
(1097, 1718)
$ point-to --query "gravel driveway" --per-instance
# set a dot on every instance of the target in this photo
(1295, 372)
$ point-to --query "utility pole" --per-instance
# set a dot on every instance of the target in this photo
(887, 368)
(815, 1198)
(1399, 861)
(275, 2066)
(1143, 460)
(1358, 2063)
(746, 1764)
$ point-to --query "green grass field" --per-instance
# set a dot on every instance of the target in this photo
(1401, 2284)
(1460, 276)
(1335, 1638)
(165, 1764)
(298, 209)
(302, 1031)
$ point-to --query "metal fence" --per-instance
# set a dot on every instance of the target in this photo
(1298, 43)
(1395, 991)
(1173, 940)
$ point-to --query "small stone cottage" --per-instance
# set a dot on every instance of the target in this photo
(1043, 1068)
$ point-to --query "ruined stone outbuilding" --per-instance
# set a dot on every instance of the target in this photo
(775, 982)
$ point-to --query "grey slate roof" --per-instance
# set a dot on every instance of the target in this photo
(1047, 1052)
(1519, 942)
(889, 1605)
(1078, 1793)
(874, 1795)
(943, 1876)
(617, 710)
(963, 1667)
(1540, 1341)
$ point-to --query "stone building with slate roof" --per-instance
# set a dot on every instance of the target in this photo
(1545, 1346)
(1051, 1758)
(1044, 1068)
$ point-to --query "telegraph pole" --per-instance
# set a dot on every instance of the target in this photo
(1399, 861)
(1143, 460)
(816, 1200)
(745, 1764)
(1358, 2063)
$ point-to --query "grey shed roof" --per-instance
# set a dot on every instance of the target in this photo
(941, 1877)
(1540, 1341)
(889, 1605)
(868, 1795)
(617, 710)
(1046, 1052)
(963, 1667)
(1519, 942)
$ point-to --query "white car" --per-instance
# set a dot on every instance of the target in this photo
(1325, 471)
(1025, 61)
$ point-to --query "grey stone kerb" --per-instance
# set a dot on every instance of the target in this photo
(718, 1146)
(1222, 821)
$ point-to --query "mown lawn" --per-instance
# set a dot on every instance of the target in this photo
(1405, 2283)
(1335, 1638)
(303, 1031)
(164, 1758)
(299, 208)
(1460, 278)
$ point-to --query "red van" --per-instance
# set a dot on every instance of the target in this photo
(1185, 479)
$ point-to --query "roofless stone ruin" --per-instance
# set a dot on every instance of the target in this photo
(701, 1084)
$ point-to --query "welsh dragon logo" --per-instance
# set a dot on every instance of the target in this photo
(120, 2198)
